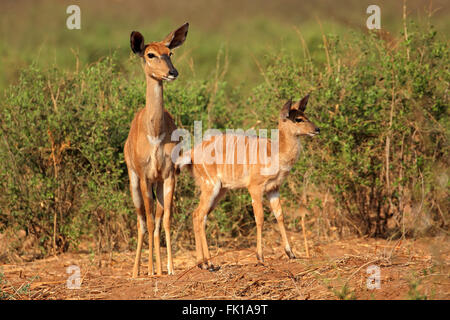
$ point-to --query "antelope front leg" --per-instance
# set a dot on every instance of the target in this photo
(141, 233)
(138, 203)
(148, 204)
(259, 218)
(169, 187)
(274, 198)
(158, 214)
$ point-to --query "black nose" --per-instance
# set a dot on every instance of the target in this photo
(317, 130)
(173, 73)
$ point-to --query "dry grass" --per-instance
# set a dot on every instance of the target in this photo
(410, 269)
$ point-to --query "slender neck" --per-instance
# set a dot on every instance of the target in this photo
(289, 146)
(154, 108)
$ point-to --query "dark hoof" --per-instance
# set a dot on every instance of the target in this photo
(260, 259)
(289, 252)
(203, 266)
(291, 256)
(213, 268)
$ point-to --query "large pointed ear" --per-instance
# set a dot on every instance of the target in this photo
(137, 43)
(177, 37)
(301, 105)
(284, 114)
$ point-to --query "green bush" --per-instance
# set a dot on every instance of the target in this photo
(381, 158)
(383, 147)
(62, 152)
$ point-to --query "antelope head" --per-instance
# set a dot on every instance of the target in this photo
(157, 55)
(294, 120)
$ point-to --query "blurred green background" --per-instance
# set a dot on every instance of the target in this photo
(246, 31)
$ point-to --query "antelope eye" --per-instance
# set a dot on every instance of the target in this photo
(299, 120)
(170, 54)
(151, 55)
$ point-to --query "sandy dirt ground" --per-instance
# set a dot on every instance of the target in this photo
(408, 269)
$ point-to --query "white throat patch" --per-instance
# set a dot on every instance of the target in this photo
(157, 91)
(155, 140)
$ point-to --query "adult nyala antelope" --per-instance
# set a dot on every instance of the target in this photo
(214, 179)
(148, 147)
